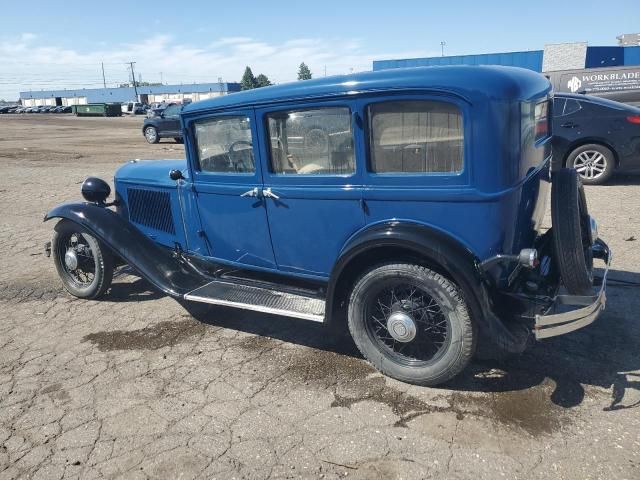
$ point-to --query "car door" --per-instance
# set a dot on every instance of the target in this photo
(228, 185)
(312, 187)
(170, 122)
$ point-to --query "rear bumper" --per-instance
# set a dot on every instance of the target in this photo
(571, 312)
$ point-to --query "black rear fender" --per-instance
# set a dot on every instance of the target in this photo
(411, 242)
(166, 270)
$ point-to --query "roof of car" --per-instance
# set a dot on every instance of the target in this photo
(469, 81)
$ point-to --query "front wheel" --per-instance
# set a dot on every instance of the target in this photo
(151, 134)
(84, 264)
(411, 323)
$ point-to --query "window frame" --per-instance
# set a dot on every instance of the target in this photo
(177, 114)
(412, 179)
(270, 167)
(223, 177)
(320, 180)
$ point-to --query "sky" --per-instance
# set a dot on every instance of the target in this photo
(61, 44)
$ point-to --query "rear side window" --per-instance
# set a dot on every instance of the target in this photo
(572, 106)
(312, 142)
(416, 136)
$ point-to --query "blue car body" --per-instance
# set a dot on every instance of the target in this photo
(494, 205)
(477, 221)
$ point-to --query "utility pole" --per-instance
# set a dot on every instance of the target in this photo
(104, 82)
(442, 44)
(133, 77)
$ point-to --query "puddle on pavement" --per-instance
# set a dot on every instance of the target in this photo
(530, 409)
(152, 337)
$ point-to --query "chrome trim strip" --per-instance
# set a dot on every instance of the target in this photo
(560, 323)
(255, 308)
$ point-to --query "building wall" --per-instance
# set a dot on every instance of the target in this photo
(194, 92)
(531, 60)
(564, 56)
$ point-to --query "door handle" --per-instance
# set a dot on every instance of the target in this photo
(269, 194)
(569, 125)
(254, 192)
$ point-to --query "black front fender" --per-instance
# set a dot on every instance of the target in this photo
(166, 270)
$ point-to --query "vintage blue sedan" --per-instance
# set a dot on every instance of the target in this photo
(406, 203)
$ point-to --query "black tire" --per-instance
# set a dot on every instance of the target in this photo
(151, 134)
(179, 140)
(448, 309)
(96, 258)
(571, 232)
(594, 163)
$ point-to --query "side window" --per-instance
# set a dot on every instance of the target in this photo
(416, 136)
(172, 111)
(312, 142)
(558, 106)
(225, 145)
(572, 106)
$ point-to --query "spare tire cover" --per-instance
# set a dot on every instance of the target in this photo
(571, 232)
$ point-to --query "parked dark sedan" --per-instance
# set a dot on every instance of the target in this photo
(164, 125)
(595, 136)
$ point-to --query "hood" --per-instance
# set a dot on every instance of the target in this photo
(151, 172)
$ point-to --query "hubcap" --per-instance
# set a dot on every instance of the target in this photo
(401, 327)
(71, 259)
(590, 164)
(151, 134)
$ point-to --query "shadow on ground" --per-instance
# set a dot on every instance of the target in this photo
(605, 354)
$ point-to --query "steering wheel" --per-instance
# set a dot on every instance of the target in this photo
(234, 156)
(232, 147)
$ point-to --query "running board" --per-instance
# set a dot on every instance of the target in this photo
(259, 299)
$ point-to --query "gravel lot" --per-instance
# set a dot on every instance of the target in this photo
(136, 386)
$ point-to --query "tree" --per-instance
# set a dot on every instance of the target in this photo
(248, 80)
(262, 81)
(303, 72)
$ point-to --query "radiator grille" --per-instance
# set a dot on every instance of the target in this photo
(151, 209)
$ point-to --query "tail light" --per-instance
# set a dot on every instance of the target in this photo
(634, 119)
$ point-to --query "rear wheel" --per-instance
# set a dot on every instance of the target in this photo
(151, 134)
(411, 323)
(594, 163)
(84, 265)
(179, 139)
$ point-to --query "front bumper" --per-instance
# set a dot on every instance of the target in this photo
(571, 312)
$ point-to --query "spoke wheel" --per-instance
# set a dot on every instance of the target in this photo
(411, 323)
(79, 262)
(84, 265)
(407, 323)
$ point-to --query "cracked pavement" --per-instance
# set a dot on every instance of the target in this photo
(139, 386)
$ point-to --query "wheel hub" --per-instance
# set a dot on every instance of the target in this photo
(71, 259)
(401, 327)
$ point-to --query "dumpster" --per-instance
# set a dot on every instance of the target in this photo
(97, 110)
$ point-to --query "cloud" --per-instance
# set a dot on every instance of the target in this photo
(31, 63)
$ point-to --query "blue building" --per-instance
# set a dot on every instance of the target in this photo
(554, 57)
(607, 71)
(146, 94)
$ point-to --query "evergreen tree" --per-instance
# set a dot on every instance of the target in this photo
(248, 80)
(262, 81)
(303, 72)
